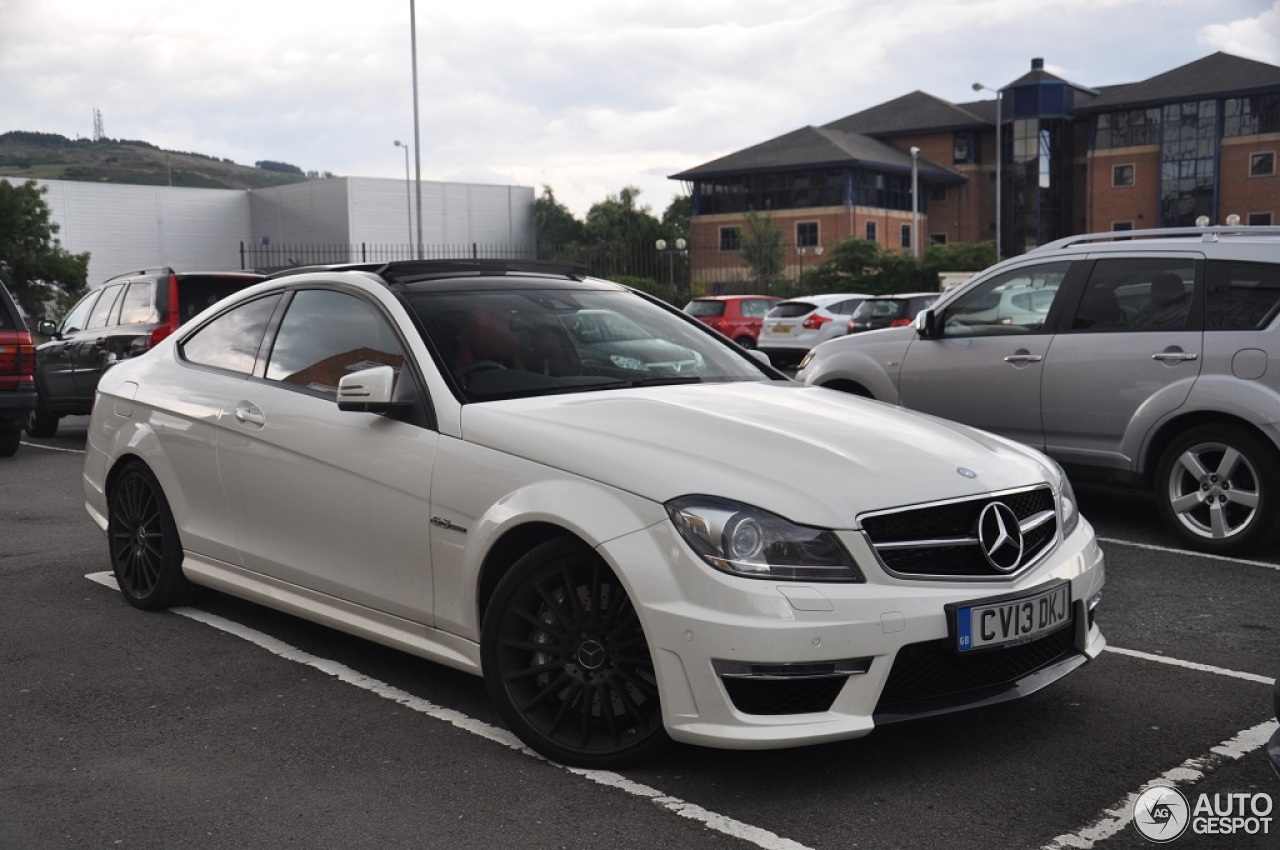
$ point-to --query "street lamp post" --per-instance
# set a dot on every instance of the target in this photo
(408, 202)
(800, 249)
(417, 141)
(680, 248)
(915, 202)
(999, 158)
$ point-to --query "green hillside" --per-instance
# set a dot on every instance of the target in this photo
(48, 156)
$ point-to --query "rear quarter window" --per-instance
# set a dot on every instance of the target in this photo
(705, 308)
(1241, 296)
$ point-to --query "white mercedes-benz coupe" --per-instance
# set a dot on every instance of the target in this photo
(629, 547)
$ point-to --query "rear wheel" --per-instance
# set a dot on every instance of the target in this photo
(146, 553)
(1218, 488)
(42, 422)
(566, 661)
(10, 437)
(746, 342)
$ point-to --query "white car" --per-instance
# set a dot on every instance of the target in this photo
(791, 328)
(718, 555)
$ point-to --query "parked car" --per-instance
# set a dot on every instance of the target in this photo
(889, 311)
(126, 316)
(793, 327)
(605, 338)
(738, 317)
(571, 530)
(17, 371)
(1153, 364)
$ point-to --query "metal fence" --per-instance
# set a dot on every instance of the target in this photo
(679, 272)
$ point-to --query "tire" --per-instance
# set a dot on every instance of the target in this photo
(146, 552)
(42, 422)
(1217, 488)
(566, 661)
(746, 342)
(10, 437)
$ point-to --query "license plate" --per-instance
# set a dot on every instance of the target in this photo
(781, 329)
(988, 623)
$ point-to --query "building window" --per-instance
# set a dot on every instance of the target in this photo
(1252, 115)
(1122, 225)
(806, 234)
(937, 239)
(1188, 162)
(730, 238)
(1122, 175)
(1127, 129)
(937, 192)
(963, 148)
(1260, 219)
(1262, 164)
(871, 232)
(906, 236)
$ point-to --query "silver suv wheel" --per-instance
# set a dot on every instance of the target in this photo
(1216, 488)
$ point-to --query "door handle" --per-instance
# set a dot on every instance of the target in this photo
(1175, 356)
(1023, 358)
(249, 414)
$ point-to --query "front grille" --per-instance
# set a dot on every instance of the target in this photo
(933, 671)
(941, 540)
(783, 696)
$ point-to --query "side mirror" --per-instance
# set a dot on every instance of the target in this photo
(46, 327)
(369, 391)
(926, 324)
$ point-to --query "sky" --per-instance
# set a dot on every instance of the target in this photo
(583, 96)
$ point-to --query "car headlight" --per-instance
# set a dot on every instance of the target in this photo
(1067, 498)
(746, 541)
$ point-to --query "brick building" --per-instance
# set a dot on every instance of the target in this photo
(1195, 142)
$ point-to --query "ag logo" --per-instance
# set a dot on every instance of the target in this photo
(1161, 813)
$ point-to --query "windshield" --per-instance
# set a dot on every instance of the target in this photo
(509, 344)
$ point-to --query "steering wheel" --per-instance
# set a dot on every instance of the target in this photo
(476, 366)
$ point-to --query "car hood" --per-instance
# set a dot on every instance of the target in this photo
(812, 455)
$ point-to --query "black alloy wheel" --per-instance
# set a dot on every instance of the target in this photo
(146, 553)
(566, 661)
(1216, 489)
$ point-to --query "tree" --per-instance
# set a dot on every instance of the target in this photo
(761, 247)
(558, 232)
(40, 274)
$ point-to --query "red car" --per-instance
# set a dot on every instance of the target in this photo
(738, 317)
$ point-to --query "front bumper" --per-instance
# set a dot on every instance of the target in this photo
(754, 664)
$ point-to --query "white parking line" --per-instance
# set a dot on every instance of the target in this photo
(1117, 818)
(1188, 552)
(728, 826)
(52, 448)
(1192, 665)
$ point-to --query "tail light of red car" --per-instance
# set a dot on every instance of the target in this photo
(171, 320)
(18, 358)
(899, 323)
(815, 321)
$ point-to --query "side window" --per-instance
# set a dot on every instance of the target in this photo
(1241, 296)
(77, 318)
(102, 310)
(231, 341)
(1015, 302)
(1136, 294)
(326, 335)
(137, 307)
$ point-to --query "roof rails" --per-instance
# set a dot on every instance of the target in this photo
(407, 270)
(1205, 234)
(404, 271)
(157, 270)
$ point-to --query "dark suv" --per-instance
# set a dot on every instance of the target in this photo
(17, 368)
(124, 317)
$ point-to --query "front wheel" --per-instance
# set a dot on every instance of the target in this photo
(1218, 489)
(146, 553)
(42, 422)
(566, 661)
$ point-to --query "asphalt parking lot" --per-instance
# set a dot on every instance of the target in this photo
(228, 725)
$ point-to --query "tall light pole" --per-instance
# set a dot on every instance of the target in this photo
(915, 203)
(999, 158)
(417, 141)
(408, 203)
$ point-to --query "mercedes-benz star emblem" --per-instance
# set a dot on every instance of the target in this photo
(591, 655)
(1000, 537)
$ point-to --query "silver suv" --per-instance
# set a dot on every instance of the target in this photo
(1143, 357)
